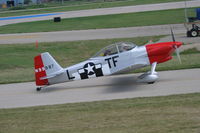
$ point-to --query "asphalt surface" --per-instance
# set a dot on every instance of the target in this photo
(105, 88)
(91, 34)
(105, 11)
(178, 29)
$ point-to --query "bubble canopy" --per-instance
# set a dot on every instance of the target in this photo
(115, 49)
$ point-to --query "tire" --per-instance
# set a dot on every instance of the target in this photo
(38, 88)
(151, 82)
(194, 33)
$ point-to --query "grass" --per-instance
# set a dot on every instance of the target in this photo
(81, 5)
(175, 114)
(17, 60)
(99, 22)
(191, 51)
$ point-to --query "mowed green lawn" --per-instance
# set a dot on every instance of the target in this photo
(16, 61)
(81, 5)
(99, 22)
(168, 114)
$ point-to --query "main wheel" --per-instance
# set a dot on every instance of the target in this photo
(151, 82)
(38, 88)
(194, 33)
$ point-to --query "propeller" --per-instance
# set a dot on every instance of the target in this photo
(178, 54)
(176, 48)
(173, 38)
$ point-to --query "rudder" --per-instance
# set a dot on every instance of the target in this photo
(45, 65)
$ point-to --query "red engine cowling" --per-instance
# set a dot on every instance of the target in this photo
(161, 52)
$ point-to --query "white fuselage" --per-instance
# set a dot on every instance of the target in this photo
(104, 65)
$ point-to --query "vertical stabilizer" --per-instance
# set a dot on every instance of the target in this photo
(45, 65)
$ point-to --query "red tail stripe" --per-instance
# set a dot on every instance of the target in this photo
(39, 71)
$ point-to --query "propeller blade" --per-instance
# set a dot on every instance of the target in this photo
(153, 68)
(178, 54)
(173, 38)
(177, 50)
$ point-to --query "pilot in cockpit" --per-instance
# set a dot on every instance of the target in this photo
(107, 52)
(124, 47)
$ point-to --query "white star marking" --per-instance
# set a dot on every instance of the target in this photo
(89, 68)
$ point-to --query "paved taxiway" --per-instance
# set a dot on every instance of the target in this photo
(104, 11)
(105, 88)
(91, 34)
(129, 32)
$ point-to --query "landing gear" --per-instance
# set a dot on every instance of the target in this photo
(41, 87)
(151, 82)
(38, 88)
(149, 77)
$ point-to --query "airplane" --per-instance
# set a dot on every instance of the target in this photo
(113, 59)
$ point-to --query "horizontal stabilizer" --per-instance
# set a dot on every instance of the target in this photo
(52, 75)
